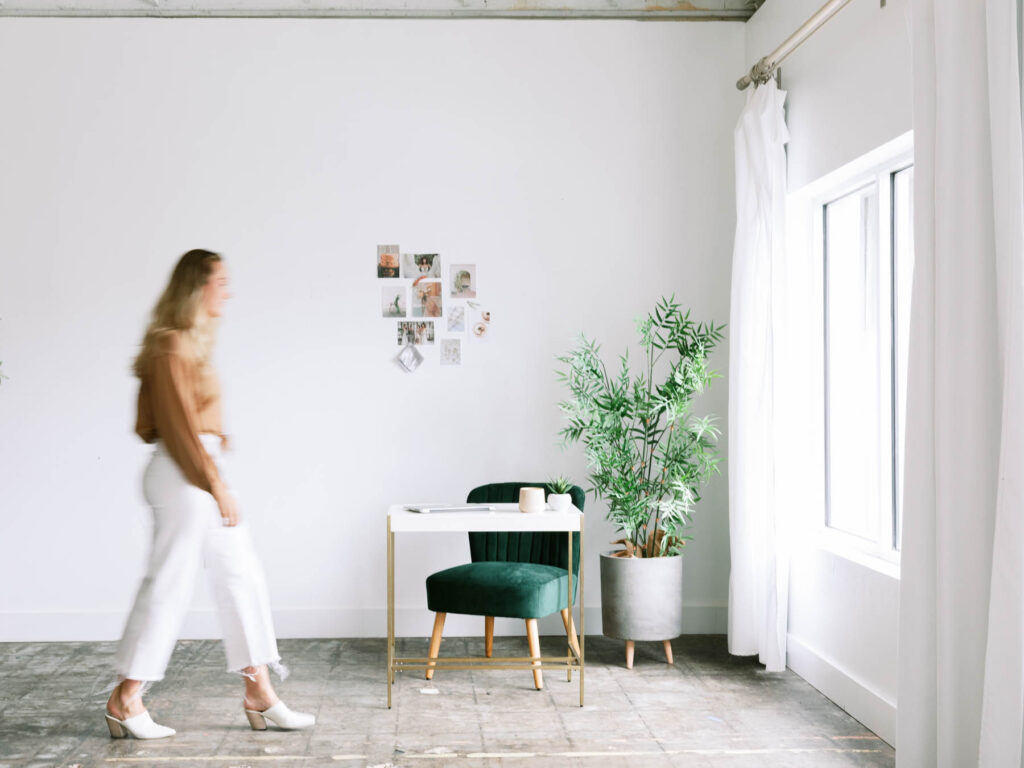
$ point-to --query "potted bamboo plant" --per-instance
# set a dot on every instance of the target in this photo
(649, 456)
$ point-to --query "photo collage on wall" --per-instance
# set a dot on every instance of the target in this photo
(432, 306)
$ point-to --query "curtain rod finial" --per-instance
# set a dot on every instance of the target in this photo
(760, 74)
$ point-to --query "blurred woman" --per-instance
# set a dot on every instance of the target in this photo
(196, 519)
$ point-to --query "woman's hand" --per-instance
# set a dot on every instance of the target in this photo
(228, 508)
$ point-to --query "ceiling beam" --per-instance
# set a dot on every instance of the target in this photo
(678, 10)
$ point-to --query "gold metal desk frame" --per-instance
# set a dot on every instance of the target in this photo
(485, 521)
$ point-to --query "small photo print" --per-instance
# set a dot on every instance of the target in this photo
(456, 319)
(421, 332)
(421, 265)
(387, 261)
(451, 352)
(393, 302)
(426, 299)
(463, 281)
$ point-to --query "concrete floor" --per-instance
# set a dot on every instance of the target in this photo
(709, 709)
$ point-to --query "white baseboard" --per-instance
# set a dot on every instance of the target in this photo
(699, 619)
(843, 688)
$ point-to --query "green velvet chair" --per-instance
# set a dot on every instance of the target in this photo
(520, 575)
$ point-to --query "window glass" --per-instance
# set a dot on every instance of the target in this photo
(858, 367)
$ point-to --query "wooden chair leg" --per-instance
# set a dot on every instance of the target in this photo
(435, 641)
(488, 636)
(629, 654)
(570, 629)
(533, 640)
(668, 651)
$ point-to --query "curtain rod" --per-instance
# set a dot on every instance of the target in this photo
(764, 70)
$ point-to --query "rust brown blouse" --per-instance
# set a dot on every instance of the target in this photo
(179, 400)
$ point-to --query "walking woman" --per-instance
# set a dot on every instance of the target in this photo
(196, 520)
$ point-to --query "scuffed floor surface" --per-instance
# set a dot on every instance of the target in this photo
(709, 709)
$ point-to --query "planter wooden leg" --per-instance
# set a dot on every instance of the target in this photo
(668, 651)
(435, 641)
(488, 636)
(629, 654)
(533, 639)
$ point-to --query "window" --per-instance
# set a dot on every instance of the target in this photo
(903, 269)
(867, 250)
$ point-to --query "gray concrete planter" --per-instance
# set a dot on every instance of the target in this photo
(641, 597)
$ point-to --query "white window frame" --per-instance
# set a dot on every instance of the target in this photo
(876, 167)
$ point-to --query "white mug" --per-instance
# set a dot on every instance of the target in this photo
(531, 499)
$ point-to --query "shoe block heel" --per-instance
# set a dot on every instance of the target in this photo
(256, 720)
(117, 731)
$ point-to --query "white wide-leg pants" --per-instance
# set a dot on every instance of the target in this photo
(187, 534)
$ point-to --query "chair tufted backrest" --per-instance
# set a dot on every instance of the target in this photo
(540, 547)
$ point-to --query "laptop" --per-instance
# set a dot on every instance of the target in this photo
(427, 508)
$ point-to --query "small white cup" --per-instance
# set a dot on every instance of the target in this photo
(531, 500)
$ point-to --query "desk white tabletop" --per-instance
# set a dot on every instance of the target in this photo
(504, 517)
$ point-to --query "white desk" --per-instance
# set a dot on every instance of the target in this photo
(505, 517)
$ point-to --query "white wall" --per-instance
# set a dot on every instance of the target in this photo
(849, 92)
(586, 167)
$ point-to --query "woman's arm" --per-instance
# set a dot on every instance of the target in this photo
(171, 385)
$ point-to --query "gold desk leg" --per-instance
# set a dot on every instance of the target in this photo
(582, 611)
(568, 639)
(391, 609)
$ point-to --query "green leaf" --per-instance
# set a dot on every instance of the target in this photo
(647, 455)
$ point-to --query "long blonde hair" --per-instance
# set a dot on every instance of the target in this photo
(180, 308)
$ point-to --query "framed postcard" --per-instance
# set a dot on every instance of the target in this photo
(456, 319)
(387, 261)
(416, 265)
(419, 332)
(426, 298)
(393, 301)
(462, 281)
(451, 352)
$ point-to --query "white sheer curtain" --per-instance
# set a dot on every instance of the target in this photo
(961, 687)
(758, 582)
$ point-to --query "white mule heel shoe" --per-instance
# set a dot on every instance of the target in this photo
(139, 727)
(281, 716)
